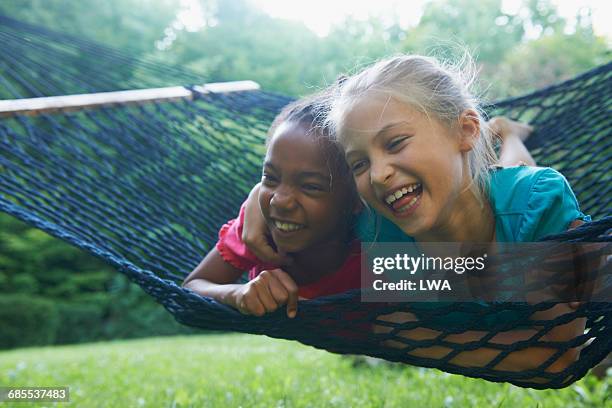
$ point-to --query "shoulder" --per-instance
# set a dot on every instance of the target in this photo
(516, 189)
(532, 202)
(372, 227)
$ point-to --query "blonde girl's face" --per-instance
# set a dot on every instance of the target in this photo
(409, 167)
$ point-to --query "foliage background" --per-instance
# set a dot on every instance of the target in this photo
(78, 298)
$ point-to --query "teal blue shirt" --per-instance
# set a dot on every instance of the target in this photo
(529, 203)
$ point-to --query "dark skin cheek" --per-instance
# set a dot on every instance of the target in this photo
(320, 212)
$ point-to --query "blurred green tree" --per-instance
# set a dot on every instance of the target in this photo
(132, 25)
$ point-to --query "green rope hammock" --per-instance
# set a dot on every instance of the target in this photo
(146, 188)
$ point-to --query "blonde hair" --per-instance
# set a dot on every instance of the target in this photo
(434, 88)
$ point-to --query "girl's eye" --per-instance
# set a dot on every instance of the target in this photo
(358, 166)
(312, 187)
(394, 144)
(268, 178)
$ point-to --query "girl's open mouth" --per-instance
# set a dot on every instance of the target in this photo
(286, 227)
(405, 200)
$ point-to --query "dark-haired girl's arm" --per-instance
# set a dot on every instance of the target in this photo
(215, 278)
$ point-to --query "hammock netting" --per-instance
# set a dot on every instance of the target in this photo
(147, 187)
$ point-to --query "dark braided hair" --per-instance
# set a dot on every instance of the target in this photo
(310, 112)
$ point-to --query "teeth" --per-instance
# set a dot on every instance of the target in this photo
(399, 193)
(407, 206)
(286, 226)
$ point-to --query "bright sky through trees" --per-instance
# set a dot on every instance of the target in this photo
(320, 15)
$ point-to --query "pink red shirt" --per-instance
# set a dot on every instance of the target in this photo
(234, 251)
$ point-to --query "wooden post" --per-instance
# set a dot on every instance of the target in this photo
(63, 103)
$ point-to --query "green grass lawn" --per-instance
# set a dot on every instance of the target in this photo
(243, 370)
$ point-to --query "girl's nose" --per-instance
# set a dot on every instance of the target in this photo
(380, 172)
(282, 200)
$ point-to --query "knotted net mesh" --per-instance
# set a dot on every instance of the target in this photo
(146, 188)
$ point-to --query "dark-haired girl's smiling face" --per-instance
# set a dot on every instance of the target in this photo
(302, 198)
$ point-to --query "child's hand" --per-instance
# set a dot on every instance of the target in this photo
(255, 232)
(266, 293)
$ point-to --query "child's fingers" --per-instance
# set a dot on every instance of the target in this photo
(292, 291)
(255, 231)
(277, 289)
(251, 305)
(292, 303)
(263, 293)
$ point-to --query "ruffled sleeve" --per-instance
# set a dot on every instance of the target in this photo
(551, 207)
(232, 248)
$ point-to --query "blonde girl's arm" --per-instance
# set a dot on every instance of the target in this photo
(255, 232)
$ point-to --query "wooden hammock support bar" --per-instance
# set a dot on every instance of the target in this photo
(63, 103)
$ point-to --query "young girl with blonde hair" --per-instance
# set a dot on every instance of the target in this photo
(423, 160)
